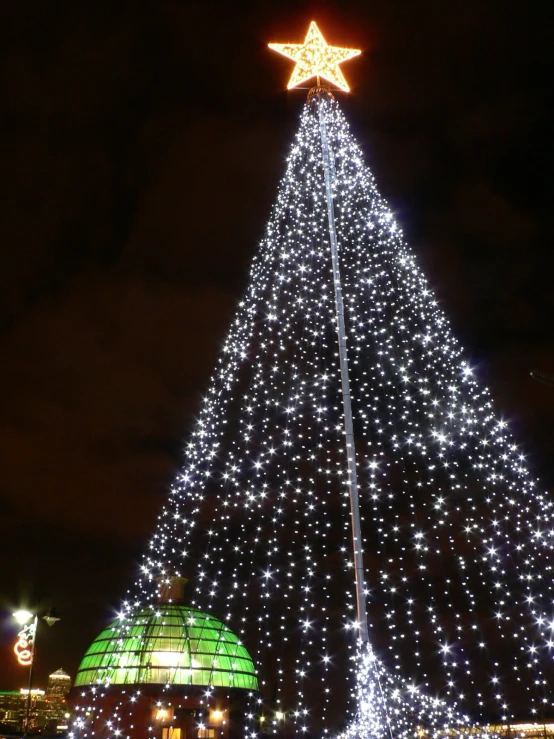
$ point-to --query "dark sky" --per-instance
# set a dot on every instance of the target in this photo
(142, 144)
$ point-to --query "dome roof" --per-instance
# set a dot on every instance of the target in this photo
(168, 644)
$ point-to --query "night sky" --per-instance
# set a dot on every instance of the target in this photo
(142, 145)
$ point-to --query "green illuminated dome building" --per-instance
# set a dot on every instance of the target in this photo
(168, 644)
(174, 667)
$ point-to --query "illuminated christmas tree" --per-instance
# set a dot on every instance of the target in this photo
(349, 503)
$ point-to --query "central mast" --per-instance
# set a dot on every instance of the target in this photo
(321, 99)
(315, 58)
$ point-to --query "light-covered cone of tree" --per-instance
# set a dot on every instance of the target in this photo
(454, 550)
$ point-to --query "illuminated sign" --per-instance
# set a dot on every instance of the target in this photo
(23, 648)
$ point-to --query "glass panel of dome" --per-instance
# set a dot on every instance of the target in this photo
(210, 634)
(206, 661)
(169, 659)
(125, 660)
(95, 647)
(105, 646)
(207, 645)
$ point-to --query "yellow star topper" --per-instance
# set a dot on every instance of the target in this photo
(315, 58)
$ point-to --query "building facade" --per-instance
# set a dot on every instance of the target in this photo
(48, 709)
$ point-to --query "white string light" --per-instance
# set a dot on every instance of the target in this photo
(457, 536)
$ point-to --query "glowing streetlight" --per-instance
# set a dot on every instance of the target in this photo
(22, 617)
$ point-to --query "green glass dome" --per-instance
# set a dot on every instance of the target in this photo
(168, 644)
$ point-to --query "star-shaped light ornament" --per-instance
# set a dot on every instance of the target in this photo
(315, 58)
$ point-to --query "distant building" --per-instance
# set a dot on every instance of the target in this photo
(48, 711)
(9, 710)
(59, 685)
(56, 712)
(13, 706)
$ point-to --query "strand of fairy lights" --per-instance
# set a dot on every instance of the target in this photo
(457, 536)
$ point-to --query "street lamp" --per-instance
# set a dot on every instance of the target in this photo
(22, 616)
(25, 648)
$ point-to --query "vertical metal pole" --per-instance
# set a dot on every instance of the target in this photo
(345, 380)
(28, 704)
